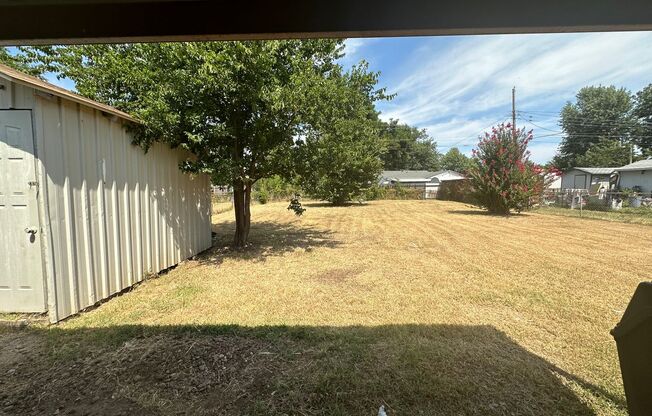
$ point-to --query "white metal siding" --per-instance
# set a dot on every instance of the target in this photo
(568, 180)
(630, 179)
(111, 213)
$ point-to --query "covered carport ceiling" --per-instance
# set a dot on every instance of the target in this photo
(77, 21)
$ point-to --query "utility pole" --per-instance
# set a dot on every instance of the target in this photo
(514, 111)
(631, 153)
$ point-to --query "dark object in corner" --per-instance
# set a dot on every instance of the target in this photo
(634, 340)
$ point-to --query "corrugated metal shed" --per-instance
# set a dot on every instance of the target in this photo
(597, 171)
(644, 164)
(86, 214)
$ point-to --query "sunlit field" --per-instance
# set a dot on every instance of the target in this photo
(427, 307)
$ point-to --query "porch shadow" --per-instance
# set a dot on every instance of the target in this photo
(411, 369)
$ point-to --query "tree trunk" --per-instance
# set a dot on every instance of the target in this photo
(241, 205)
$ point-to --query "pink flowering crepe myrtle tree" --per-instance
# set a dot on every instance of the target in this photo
(502, 176)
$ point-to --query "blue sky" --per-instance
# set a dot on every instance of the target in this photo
(458, 86)
(64, 83)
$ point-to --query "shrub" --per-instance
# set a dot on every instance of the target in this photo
(262, 196)
(399, 191)
(376, 192)
(405, 192)
(274, 188)
(502, 176)
(396, 191)
(594, 203)
(459, 191)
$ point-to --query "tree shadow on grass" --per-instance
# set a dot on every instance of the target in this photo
(411, 369)
(266, 238)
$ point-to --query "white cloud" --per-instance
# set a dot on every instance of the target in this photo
(353, 45)
(542, 153)
(355, 49)
(461, 132)
(457, 89)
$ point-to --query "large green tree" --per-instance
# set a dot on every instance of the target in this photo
(408, 148)
(456, 161)
(243, 108)
(341, 155)
(343, 162)
(599, 114)
(607, 153)
(643, 114)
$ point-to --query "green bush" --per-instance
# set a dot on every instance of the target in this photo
(274, 188)
(375, 193)
(262, 196)
(403, 192)
(393, 192)
(460, 191)
(594, 203)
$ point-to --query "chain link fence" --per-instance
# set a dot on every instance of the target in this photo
(601, 200)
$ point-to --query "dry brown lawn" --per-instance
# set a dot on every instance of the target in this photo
(429, 307)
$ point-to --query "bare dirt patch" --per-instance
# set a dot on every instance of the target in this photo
(150, 375)
(337, 276)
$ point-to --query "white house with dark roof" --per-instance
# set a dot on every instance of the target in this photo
(422, 179)
(591, 179)
(637, 174)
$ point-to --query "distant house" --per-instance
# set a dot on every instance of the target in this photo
(553, 181)
(428, 181)
(636, 175)
(591, 179)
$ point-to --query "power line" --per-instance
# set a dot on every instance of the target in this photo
(475, 135)
(578, 120)
(538, 111)
(591, 138)
(547, 135)
(588, 136)
(536, 125)
(585, 122)
(575, 121)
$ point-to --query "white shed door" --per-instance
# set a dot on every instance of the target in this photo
(21, 275)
